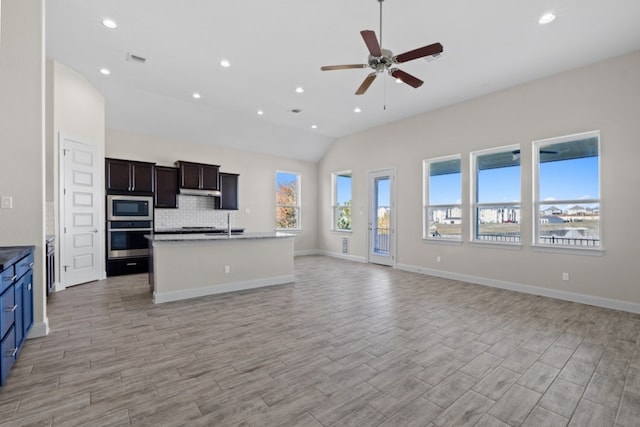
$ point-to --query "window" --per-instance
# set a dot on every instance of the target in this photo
(496, 204)
(341, 205)
(567, 197)
(287, 200)
(442, 198)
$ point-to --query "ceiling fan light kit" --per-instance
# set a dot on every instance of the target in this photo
(382, 60)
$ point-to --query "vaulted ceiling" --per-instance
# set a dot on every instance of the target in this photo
(277, 46)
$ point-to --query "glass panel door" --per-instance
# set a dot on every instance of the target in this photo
(381, 218)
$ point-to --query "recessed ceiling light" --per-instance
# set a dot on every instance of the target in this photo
(225, 63)
(109, 23)
(260, 112)
(299, 89)
(314, 127)
(105, 71)
(357, 110)
(196, 95)
(398, 81)
(547, 18)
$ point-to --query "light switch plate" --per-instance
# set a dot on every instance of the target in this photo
(6, 202)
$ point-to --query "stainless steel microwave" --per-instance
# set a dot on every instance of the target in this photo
(129, 208)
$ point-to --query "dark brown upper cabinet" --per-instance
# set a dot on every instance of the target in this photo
(166, 187)
(129, 177)
(229, 189)
(198, 176)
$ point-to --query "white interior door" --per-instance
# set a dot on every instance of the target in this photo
(81, 192)
(382, 217)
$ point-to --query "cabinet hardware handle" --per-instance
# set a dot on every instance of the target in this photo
(11, 309)
(12, 353)
(31, 264)
(10, 279)
(132, 263)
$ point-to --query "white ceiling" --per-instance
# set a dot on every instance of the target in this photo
(275, 46)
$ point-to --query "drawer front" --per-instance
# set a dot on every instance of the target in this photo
(7, 277)
(7, 355)
(7, 310)
(24, 265)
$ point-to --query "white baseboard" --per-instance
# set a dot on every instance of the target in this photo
(528, 289)
(57, 287)
(343, 256)
(159, 298)
(39, 329)
(305, 253)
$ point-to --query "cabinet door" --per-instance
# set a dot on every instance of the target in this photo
(27, 303)
(142, 178)
(229, 189)
(166, 187)
(118, 175)
(19, 312)
(190, 176)
(209, 177)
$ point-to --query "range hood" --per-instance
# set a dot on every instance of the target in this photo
(194, 192)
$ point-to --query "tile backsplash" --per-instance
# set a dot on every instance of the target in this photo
(193, 211)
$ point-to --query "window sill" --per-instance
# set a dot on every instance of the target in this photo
(497, 245)
(568, 250)
(289, 230)
(337, 230)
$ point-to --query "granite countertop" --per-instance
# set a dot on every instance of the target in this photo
(197, 230)
(10, 254)
(189, 237)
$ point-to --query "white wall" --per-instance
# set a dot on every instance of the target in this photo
(603, 96)
(76, 110)
(256, 183)
(22, 136)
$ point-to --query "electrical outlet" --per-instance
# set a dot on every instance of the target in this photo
(565, 276)
(6, 202)
(227, 269)
(438, 259)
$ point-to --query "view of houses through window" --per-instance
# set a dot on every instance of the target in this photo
(287, 200)
(568, 196)
(443, 198)
(497, 195)
(342, 201)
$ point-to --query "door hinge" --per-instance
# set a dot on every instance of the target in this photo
(65, 267)
(64, 151)
(65, 230)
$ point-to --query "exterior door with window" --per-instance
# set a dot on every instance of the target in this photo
(381, 217)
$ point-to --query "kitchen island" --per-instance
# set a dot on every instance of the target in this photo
(193, 265)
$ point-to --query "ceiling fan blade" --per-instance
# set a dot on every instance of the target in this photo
(420, 52)
(371, 41)
(406, 78)
(366, 83)
(342, 67)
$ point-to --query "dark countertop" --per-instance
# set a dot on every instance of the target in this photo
(10, 254)
(193, 237)
(198, 230)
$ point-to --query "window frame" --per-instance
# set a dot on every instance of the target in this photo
(335, 207)
(536, 205)
(426, 175)
(475, 205)
(297, 207)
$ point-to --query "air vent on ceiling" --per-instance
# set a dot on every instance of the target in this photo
(135, 58)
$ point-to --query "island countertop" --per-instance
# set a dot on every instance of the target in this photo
(189, 237)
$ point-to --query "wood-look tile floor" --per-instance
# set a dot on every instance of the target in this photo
(346, 344)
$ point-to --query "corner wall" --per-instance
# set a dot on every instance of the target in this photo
(22, 127)
(604, 96)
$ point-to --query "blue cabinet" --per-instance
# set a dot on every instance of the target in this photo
(16, 304)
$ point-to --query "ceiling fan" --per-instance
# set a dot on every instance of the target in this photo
(383, 60)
